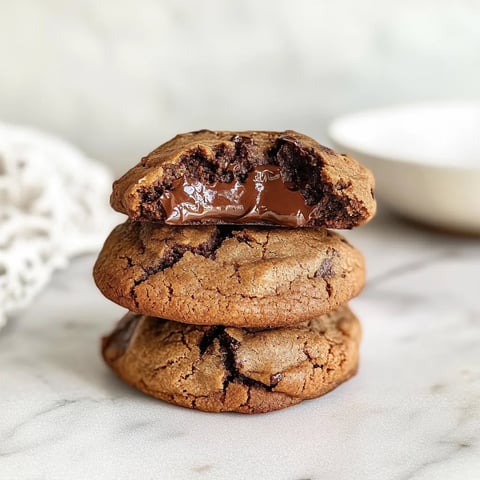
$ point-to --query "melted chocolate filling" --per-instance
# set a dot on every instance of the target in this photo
(263, 197)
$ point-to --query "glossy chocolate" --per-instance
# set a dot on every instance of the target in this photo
(262, 198)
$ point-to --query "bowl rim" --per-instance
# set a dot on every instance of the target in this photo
(340, 142)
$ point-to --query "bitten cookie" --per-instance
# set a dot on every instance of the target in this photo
(271, 178)
(221, 369)
(212, 275)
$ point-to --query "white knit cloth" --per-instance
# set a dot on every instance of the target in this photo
(53, 205)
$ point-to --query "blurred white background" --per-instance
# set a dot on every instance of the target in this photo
(119, 78)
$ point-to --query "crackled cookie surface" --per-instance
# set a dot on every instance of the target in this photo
(250, 177)
(218, 275)
(222, 369)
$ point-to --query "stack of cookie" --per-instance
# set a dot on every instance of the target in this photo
(236, 289)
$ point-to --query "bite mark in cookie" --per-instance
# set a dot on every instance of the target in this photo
(272, 178)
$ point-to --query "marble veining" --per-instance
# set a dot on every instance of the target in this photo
(412, 412)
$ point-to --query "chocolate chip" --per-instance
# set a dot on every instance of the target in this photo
(275, 378)
(326, 269)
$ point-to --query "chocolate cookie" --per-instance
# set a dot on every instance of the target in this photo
(221, 369)
(219, 275)
(271, 178)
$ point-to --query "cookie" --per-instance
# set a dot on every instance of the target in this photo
(219, 275)
(272, 178)
(222, 369)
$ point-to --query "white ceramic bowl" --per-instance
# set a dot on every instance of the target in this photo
(425, 157)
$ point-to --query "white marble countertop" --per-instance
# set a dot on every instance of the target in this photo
(412, 412)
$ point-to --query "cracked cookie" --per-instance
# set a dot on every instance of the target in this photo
(222, 369)
(220, 275)
(251, 177)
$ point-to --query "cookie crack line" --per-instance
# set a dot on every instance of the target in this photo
(175, 253)
(229, 346)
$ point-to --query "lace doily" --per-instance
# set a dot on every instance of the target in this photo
(53, 205)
